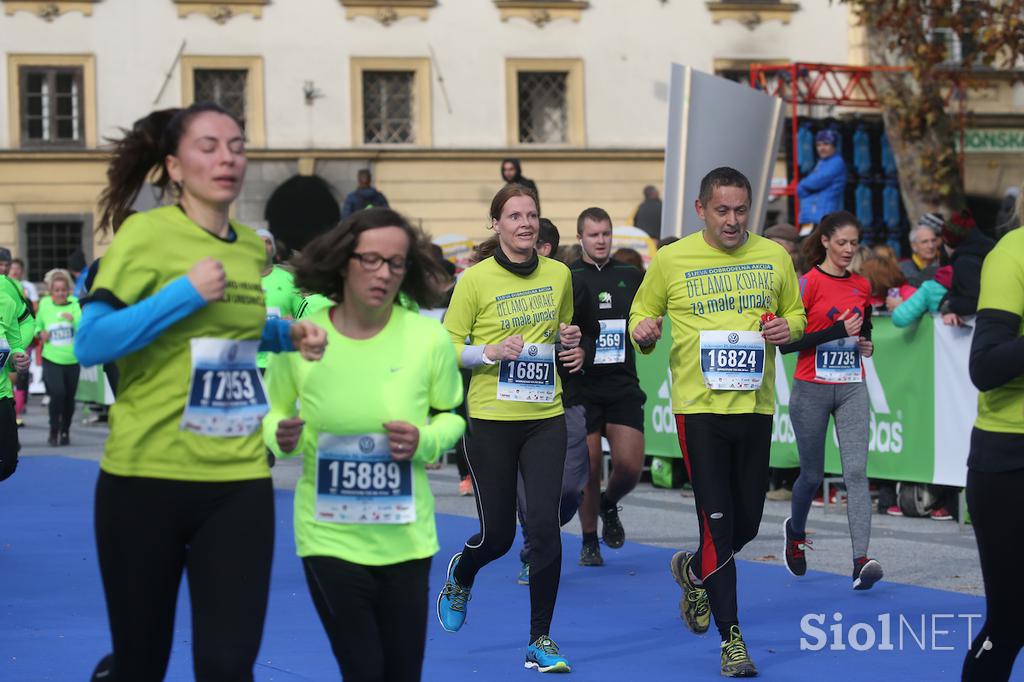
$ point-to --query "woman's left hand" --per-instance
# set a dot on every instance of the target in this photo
(403, 439)
(68, 316)
(569, 335)
(309, 339)
(865, 347)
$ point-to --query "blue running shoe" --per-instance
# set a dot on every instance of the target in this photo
(524, 574)
(543, 656)
(453, 599)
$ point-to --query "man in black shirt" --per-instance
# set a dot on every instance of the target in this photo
(611, 393)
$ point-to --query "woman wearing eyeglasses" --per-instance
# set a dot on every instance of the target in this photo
(364, 513)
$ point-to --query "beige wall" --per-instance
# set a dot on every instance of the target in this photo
(445, 192)
(55, 184)
(454, 194)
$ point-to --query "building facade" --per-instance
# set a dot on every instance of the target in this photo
(429, 94)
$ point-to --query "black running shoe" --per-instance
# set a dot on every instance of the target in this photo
(590, 555)
(866, 572)
(103, 670)
(796, 546)
(612, 532)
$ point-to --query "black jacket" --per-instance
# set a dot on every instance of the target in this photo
(584, 317)
(967, 261)
(611, 291)
(518, 179)
(648, 218)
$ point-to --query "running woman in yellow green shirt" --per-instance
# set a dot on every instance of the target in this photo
(374, 411)
(56, 324)
(732, 297)
(184, 483)
(995, 466)
(515, 308)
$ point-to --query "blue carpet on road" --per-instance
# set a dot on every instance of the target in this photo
(616, 623)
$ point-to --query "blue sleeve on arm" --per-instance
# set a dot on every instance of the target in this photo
(277, 336)
(106, 333)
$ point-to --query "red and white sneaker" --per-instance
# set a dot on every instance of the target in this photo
(894, 510)
(466, 487)
(941, 514)
(866, 572)
(796, 546)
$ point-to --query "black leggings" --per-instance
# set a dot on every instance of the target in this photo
(998, 527)
(499, 452)
(375, 616)
(726, 457)
(61, 384)
(148, 531)
(9, 444)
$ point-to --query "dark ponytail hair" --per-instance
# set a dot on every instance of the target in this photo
(142, 149)
(812, 248)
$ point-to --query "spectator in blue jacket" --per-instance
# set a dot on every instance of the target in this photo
(821, 192)
(364, 196)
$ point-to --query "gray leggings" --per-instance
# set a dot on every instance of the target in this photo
(809, 408)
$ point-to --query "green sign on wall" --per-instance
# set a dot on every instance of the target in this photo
(998, 140)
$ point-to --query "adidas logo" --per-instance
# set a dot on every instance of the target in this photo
(622, 284)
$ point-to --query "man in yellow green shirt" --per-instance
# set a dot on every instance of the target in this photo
(731, 297)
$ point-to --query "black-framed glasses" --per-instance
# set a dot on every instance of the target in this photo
(372, 261)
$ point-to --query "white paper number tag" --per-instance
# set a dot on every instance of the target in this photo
(838, 362)
(611, 343)
(732, 361)
(357, 481)
(530, 378)
(226, 397)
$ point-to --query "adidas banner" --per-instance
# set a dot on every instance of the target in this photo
(923, 404)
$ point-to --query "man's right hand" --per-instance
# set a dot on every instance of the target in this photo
(509, 349)
(648, 331)
(288, 433)
(208, 278)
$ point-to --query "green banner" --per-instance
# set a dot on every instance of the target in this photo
(92, 386)
(900, 379)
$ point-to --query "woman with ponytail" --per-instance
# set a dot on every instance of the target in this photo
(829, 382)
(184, 483)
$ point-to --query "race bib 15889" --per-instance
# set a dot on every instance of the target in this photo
(357, 481)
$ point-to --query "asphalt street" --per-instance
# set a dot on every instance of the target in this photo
(915, 551)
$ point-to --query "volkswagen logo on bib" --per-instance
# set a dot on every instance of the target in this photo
(841, 342)
(734, 338)
(533, 351)
(232, 352)
(366, 444)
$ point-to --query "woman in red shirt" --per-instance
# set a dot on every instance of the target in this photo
(829, 382)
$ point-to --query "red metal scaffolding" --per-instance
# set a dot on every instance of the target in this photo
(803, 83)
